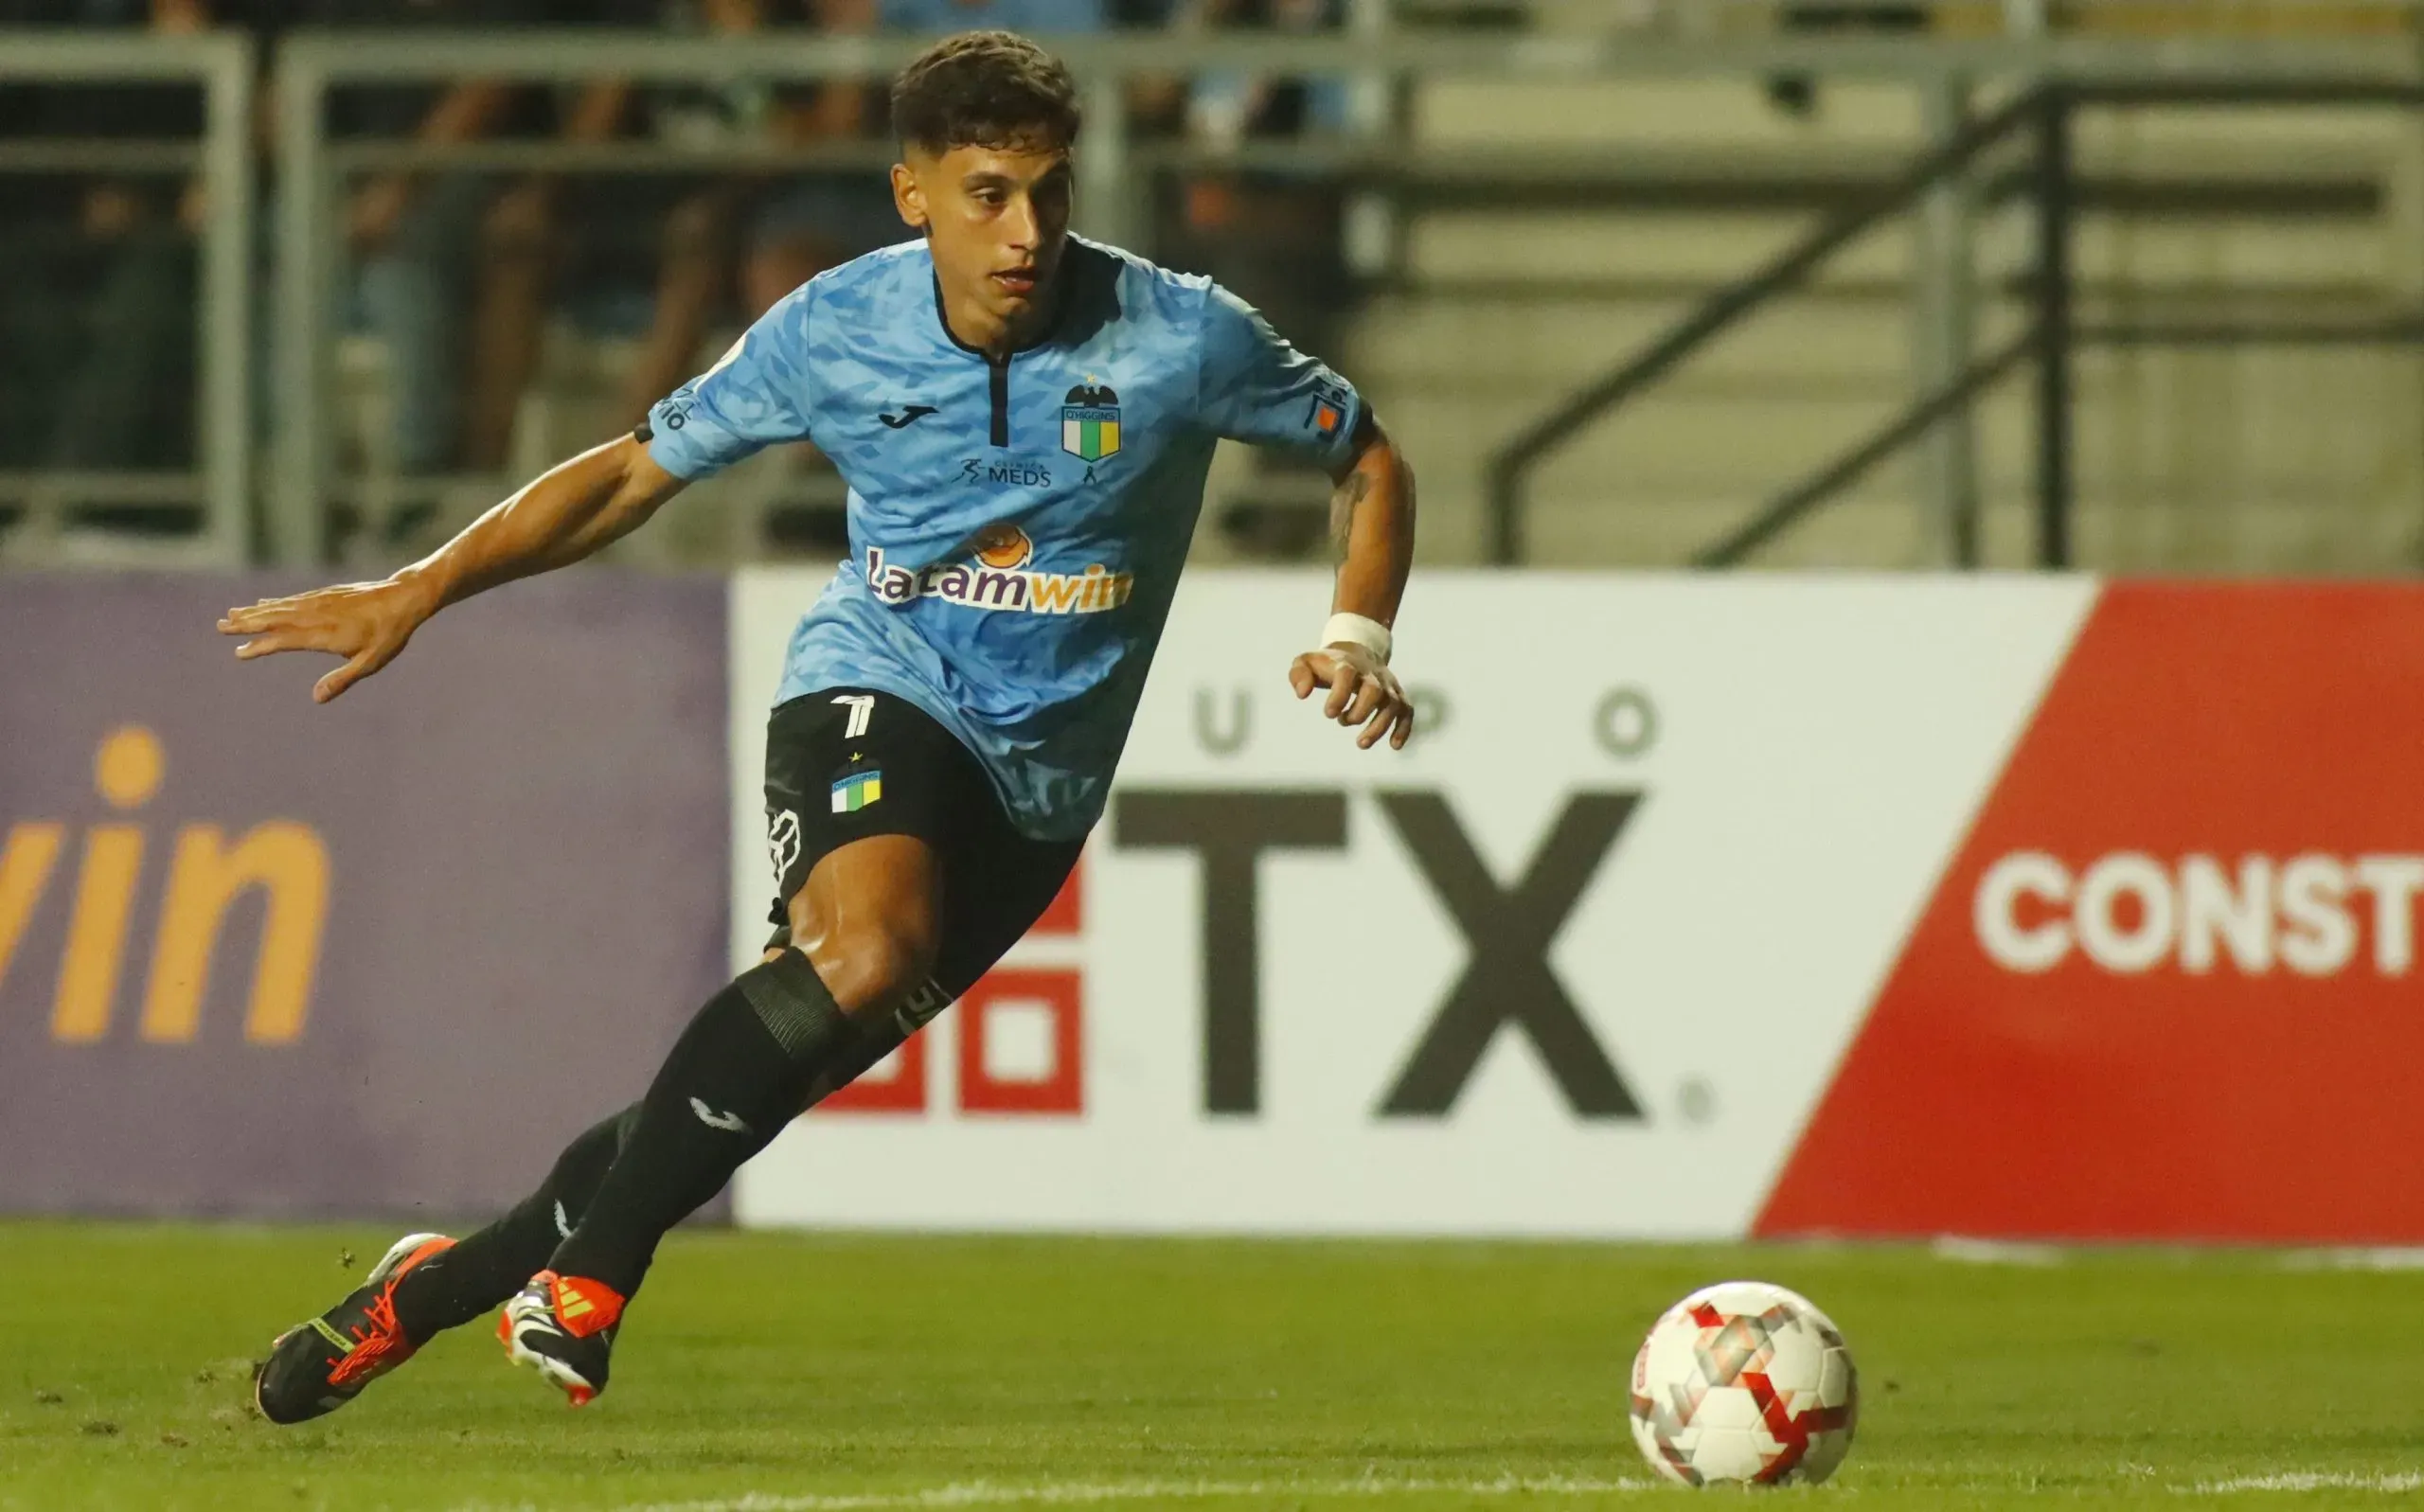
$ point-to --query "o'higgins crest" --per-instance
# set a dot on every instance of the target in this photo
(1090, 422)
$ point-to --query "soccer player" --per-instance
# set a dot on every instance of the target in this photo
(1026, 419)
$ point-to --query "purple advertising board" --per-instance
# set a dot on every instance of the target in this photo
(266, 958)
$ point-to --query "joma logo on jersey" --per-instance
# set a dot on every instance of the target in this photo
(1090, 422)
(284, 861)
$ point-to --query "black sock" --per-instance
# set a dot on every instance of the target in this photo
(486, 1267)
(874, 1043)
(741, 1070)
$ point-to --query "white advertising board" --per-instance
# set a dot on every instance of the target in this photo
(1580, 961)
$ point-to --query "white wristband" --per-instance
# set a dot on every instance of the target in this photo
(1357, 630)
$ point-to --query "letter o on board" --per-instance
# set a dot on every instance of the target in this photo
(1626, 722)
(2111, 943)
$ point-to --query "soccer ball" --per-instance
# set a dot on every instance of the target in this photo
(1744, 1382)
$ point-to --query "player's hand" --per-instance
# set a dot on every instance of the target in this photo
(365, 622)
(1363, 691)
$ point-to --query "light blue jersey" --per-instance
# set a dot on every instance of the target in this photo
(1016, 525)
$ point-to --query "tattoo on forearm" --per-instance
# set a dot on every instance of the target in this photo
(1344, 501)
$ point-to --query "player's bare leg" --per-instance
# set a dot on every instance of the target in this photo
(863, 929)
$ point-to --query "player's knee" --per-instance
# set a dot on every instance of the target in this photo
(870, 968)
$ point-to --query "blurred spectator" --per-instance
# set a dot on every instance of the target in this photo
(759, 235)
(96, 314)
(1274, 238)
(450, 266)
(524, 233)
(777, 233)
(1277, 239)
(1038, 18)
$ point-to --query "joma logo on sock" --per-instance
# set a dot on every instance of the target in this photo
(284, 861)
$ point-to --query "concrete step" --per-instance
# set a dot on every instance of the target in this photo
(2273, 413)
(1860, 532)
(1711, 113)
(2195, 431)
(1680, 251)
(1971, 18)
(2241, 18)
(2110, 533)
(1468, 342)
(1869, 122)
(1676, 251)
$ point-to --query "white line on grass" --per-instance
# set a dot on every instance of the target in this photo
(2392, 1257)
(984, 1493)
(2307, 1481)
(1962, 1250)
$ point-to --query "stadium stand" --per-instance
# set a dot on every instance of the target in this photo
(1558, 224)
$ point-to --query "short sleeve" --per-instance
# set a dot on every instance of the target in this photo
(1255, 388)
(755, 396)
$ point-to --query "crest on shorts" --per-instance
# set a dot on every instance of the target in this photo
(1090, 422)
(857, 791)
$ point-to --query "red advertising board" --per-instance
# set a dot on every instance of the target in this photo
(2167, 988)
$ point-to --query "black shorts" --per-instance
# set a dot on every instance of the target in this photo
(845, 763)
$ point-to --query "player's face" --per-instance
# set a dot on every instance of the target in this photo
(996, 218)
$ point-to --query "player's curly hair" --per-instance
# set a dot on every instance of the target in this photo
(985, 89)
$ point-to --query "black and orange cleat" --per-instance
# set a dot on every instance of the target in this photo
(563, 1328)
(318, 1366)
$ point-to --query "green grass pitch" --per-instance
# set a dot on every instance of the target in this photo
(827, 1374)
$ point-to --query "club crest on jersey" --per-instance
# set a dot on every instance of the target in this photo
(1090, 422)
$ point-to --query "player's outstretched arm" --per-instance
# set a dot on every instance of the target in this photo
(562, 515)
(1372, 515)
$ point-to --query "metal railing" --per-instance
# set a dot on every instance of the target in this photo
(1508, 474)
(292, 525)
(2050, 336)
(1112, 166)
(223, 65)
(2029, 17)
